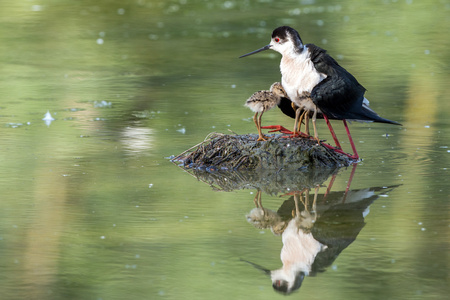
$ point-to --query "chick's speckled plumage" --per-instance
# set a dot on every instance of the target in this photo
(263, 101)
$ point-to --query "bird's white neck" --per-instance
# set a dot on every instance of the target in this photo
(292, 52)
(298, 74)
(292, 62)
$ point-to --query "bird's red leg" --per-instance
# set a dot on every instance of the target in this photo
(282, 129)
(279, 128)
(276, 128)
(296, 132)
(338, 145)
(316, 135)
(355, 154)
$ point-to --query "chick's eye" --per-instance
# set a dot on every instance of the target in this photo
(277, 40)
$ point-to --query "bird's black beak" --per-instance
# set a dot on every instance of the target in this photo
(266, 271)
(266, 47)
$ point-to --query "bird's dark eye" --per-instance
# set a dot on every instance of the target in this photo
(277, 40)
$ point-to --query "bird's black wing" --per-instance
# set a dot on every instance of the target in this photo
(285, 105)
(339, 95)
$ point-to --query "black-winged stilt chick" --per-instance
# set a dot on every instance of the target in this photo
(262, 101)
(315, 82)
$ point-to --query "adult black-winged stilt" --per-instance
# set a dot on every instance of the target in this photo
(315, 82)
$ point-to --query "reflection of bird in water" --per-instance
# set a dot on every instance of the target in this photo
(340, 218)
(262, 101)
(317, 231)
(299, 246)
(315, 82)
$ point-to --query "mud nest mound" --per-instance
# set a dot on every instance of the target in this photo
(244, 152)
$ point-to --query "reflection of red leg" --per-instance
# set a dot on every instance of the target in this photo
(355, 154)
(349, 182)
(294, 193)
(332, 132)
(330, 185)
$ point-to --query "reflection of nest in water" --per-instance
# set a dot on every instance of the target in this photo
(239, 152)
(270, 182)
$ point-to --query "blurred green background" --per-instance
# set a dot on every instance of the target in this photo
(91, 208)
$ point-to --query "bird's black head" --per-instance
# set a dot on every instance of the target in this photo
(285, 287)
(284, 33)
(285, 40)
(281, 286)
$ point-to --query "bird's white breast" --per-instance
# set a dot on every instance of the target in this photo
(298, 76)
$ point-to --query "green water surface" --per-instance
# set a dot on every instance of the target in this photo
(91, 208)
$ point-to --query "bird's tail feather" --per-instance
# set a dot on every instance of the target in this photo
(376, 118)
